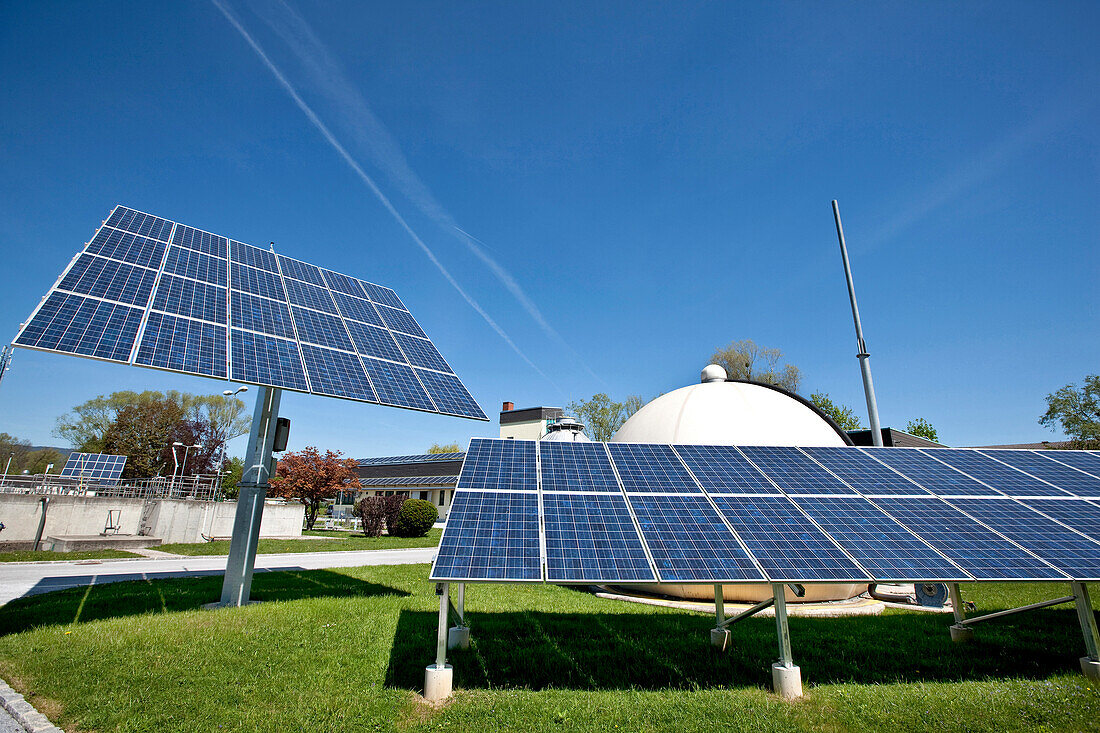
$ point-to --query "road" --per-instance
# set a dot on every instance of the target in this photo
(25, 579)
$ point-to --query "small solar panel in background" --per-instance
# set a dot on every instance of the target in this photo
(94, 466)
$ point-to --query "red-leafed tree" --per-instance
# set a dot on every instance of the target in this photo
(311, 477)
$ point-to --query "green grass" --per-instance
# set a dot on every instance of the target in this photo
(272, 546)
(345, 650)
(48, 556)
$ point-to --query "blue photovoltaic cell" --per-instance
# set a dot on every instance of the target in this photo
(998, 475)
(190, 298)
(110, 280)
(1082, 515)
(1064, 477)
(883, 547)
(1084, 460)
(976, 549)
(396, 384)
(398, 320)
(258, 282)
(490, 536)
(499, 464)
(200, 241)
(183, 345)
(301, 271)
(132, 248)
(336, 373)
(422, 353)
(575, 467)
(1065, 549)
(793, 471)
(373, 341)
(382, 295)
(689, 541)
(321, 329)
(861, 472)
(722, 469)
(785, 543)
(591, 537)
(85, 326)
(259, 359)
(146, 225)
(357, 309)
(310, 296)
(260, 314)
(196, 265)
(936, 477)
(644, 467)
(449, 394)
(342, 283)
(246, 254)
(100, 466)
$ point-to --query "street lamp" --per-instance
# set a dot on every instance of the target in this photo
(221, 460)
(10, 456)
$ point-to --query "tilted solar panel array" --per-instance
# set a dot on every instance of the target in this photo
(637, 513)
(151, 292)
(95, 466)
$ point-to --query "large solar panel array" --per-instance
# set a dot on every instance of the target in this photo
(633, 513)
(94, 466)
(151, 292)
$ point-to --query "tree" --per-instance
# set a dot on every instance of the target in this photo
(602, 416)
(38, 461)
(922, 428)
(1077, 410)
(311, 477)
(448, 448)
(745, 360)
(143, 432)
(842, 415)
(371, 511)
(415, 519)
(234, 468)
(15, 449)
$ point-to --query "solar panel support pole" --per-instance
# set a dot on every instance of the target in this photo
(863, 356)
(786, 677)
(720, 635)
(438, 677)
(1090, 663)
(458, 636)
(250, 502)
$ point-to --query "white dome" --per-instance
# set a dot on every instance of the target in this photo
(728, 413)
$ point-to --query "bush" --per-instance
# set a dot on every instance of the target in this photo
(391, 506)
(415, 519)
(371, 510)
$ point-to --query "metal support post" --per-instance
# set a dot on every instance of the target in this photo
(250, 503)
(720, 635)
(1090, 663)
(458, 636)
(441, 632)
(438, 677)
(786, 677)
(960, 632)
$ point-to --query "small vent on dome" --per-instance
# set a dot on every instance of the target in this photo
(713, 373)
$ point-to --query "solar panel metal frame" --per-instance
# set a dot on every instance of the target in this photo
(104, 466)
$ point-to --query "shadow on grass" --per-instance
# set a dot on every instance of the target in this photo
(538, 650)
(166, 595)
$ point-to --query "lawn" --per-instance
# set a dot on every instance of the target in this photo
(339, 544)
(345, 650)
(48, 556)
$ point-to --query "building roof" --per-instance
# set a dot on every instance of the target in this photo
(1046, 444)
(530, 414)
(376, 481)
(892, 438)
(418, 458)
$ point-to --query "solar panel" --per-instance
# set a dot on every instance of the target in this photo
(644, 467)
(499, 464)
(886, 549)
(1064, 477)
(793, 471)
(929, 473)
(1082, 515)
(446, 481)
(1067, 550)
(970, 545)
(689, 541)
(490, 536)
(580, 467)
(96, 466)
(592, 538)
(205, 305)
(785, 542)
(722, 469)
(1083, 460)
(861, 472)
(996, 474)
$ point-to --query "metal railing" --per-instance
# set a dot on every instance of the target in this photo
(203, 488)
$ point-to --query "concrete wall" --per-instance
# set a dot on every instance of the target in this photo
(172, 520)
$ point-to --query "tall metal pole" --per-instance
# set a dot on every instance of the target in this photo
(863, 356)
(250, 501)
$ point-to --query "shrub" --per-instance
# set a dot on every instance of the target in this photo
(415, 519)
(392, 507)
(371, 511)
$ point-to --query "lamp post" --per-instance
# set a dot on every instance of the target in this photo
(183, 468)
(221, 460)
(10, 456)
(175, 466)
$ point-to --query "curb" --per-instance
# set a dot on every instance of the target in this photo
(24, 713)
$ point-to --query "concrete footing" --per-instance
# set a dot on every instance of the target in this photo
(437, 682)
(720, 638)
(961, 634)
(787, 681)
(1090, 668)
(458, 637)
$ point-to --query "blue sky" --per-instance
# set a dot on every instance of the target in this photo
(642, 183)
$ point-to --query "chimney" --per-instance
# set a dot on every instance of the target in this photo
(507, 407)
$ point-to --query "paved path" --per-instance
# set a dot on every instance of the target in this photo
(24, 579)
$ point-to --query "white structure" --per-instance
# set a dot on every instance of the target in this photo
(531, 423)
(567, 429)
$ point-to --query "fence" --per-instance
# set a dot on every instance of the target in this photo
(182, 487)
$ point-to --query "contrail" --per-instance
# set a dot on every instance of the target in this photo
(327, 134)
(327, 76)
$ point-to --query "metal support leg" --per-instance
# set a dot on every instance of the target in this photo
(786, 677)
(1090, 663)
(720, 635)
(438, 676)
(959, 632)
(458, 636)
